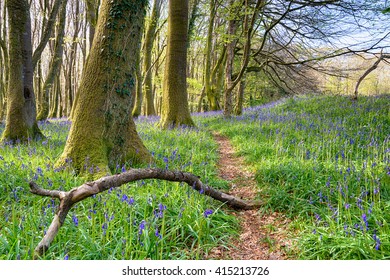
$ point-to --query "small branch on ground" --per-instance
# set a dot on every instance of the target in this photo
(69, 198)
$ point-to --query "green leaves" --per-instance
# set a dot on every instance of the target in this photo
(386, 11)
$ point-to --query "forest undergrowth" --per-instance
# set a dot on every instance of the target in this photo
(323, 161)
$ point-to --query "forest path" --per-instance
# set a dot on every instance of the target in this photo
(262, 235)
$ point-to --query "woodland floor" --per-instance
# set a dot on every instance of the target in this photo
(263, 236)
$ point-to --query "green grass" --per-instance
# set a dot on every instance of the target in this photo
(143, 220)
(325, 162)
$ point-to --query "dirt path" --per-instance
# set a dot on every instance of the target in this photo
(262, 236)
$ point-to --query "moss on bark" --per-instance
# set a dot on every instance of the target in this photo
(103, 133)
(21, 124)
(175, 111)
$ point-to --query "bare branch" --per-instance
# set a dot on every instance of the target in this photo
(68, 199)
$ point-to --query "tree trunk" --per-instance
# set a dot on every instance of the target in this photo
(368, 71)
(248, 31)
(240, 98)
(103, 133)
(48, 29)
(147, 61)
(230, 47)
(92, 14)
(175, 110)
(138, 94)
(55, 65)
(21, 112)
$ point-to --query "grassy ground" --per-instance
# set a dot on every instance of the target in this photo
(325, 162)
(144, 220)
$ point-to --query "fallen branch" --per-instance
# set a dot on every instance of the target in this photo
(69, 198)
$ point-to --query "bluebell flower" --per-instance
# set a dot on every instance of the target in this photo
(207, 212)
(377, 241)
(75, 220)
(157, 234)
(141, 227)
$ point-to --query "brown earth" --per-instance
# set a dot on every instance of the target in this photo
(263, 236)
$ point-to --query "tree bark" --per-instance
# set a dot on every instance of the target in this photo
(175, 111)
(21, 112)
(230, 47)
(368, 71)
(92, 14)
(240, 98)
(248, 31)
(147, 59)
(103, 132)
(55, 65)
(208, 81)
(48, 29)
(75, 195)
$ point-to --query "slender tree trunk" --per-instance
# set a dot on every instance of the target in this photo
(71, 55)
(208, 81)
(191, 24)
(138, 93)
(21, 112)
(92, 14)
(4, 65)
(231, 45)
(55, 65)
(147, 61)
(48, 29)
(175, 110)
(248, 32)
(240, 98)
(365, 74)
(103, 134)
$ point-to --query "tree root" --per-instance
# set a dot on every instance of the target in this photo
(69, 198)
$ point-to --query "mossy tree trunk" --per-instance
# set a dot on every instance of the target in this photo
(138, 94)
(55, 65)
(21, 121)
(175, 111)
(103, 134)
(210, 91)
(240, 98)
(147, 60)
(3, 67)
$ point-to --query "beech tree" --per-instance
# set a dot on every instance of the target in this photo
(103, 132)
(21, 121)
(175, 110)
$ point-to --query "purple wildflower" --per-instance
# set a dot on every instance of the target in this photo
(75, 220)
(364, 218)
(207, 212)
(377, 241)
(157, 234)
(141, 227)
